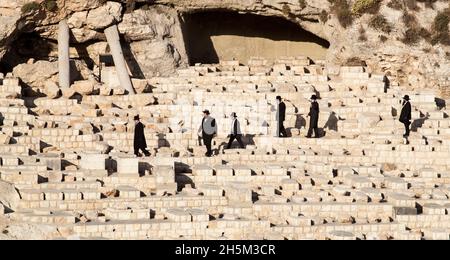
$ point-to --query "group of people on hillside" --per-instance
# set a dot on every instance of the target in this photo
(208, 128)
(313, 115)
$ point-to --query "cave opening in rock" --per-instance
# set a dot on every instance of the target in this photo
(28, 46)
(219, 35)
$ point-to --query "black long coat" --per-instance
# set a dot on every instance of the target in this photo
(314, 114)
(139, 136)
(281, 112)
(405, 116)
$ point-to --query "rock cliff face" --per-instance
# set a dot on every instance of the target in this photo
(406, 39)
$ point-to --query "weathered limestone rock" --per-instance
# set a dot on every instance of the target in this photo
(93, 161)
(155, 57)
(36, 74)
(4, 139)
(8, 195)
(84, 87)
(10, 21)
(51, 89)
(156, 40)
(77, 20)
(52, 161)
(128, 165)
(104, 16)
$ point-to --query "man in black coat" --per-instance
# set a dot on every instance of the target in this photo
(314, 118)
(235, 132)
(139, 138)
(405, 116)
(281, 117)
(208, 130)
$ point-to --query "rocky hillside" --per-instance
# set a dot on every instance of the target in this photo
(406, 39)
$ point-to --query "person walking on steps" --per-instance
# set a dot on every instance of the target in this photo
(281, 117)
(235, 132)
(139, 138)
(405, 116)
(313, 118)
(208, 129)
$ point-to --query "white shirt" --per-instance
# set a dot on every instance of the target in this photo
(238, 126)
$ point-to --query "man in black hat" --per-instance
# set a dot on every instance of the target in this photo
(281, 117)
(405, 116)
(139, 138)
(208, 129)
(235, 132)
(314, 118)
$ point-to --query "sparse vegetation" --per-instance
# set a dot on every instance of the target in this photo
(395, 4)
(323, 16)
(287, 11)
(411, 36)
(425, 34)
(362, 34)
(409, 20)
(411, 4)
(47, 5)
(441, 29)
(361, 7)
(355, 61)
(379, 22)
(30, 7)
(342, 10)
(50, 5)
(302, 4)
(383, 38)
(414, 31)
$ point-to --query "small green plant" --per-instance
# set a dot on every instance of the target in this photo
(50, 5)
(383, 38)
(379, 22)
(286, 10)
(414, 31)
(302, 4)
(409, 20)
(425, 34)
(361, 7)
(441, 32)
(362, 34)
(395, 4)
(323, 16)
(411, 36)
(441, 22)
(30, 7)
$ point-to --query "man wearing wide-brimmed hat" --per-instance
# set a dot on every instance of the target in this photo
(281, 117)
(405, 115)
(208, 129)
(235, 132)
(139, 138)
(313, 118)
